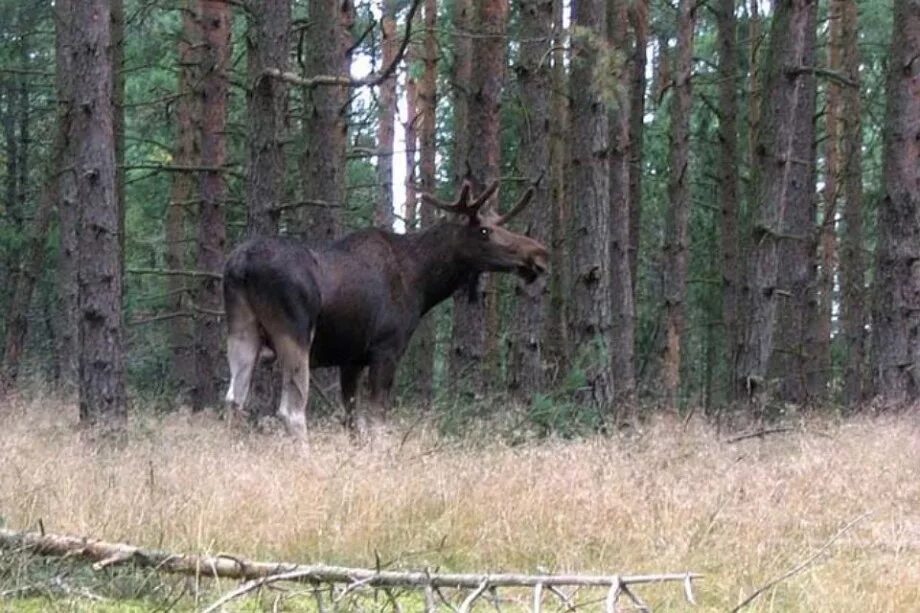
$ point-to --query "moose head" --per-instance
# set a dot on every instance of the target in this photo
(485, 244)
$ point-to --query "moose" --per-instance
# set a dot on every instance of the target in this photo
(355, 303)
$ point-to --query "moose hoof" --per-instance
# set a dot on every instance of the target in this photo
(364, 429)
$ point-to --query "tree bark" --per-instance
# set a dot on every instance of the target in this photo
(325, 111)
(589, 185)
(819, 374)
(556, 345)
(661, 68)
(101, 362)
(852, 264)
(490, 58)
(749, 213)
(896, 322)
(383, 206)
(726, 24)
(412, 124)
(117, 51)
(480, 165)
(186, 152)
(793, 359)
(428, 104)
(266, 110)
(678, 215)
(68, 334)
(638, 18)
(784, 176)
(216, 18)
(621, 213)
(526, 374)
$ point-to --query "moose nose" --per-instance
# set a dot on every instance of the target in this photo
(540, 261)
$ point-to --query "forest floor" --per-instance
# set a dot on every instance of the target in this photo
(666, 497)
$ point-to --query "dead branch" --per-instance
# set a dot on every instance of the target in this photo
(175, 273)
(258, 574)
(479, 591)
(801, 566)
(759, 434)
(370, 80)
(830, 75)
(155, 318)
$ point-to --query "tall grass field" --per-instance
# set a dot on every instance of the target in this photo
(668, 496)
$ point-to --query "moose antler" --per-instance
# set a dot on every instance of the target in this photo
(520, 206)
(462, 206)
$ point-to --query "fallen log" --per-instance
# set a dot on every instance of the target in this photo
(104, 554)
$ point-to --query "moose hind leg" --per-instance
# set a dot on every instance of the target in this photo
(295, 391)
(382, 374)
(243, 345)
(348, 378)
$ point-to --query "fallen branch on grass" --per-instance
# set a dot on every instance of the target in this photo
(258, 574)
(759, 434)
(800, 566)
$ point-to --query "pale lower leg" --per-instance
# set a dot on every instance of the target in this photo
(242, 351)
(294, 395)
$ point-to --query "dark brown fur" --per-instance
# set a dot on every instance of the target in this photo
(356, 303)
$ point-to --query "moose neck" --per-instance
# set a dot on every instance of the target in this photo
(439, 269)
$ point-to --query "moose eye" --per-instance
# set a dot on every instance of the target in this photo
(484, 232)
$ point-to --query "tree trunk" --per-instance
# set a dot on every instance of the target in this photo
(266, 111)
(896, 323)
(101, 363)
(728, 175)
(852, 265)
(621, 212)
(428, 104)
(473, 315)
(661, 68)
(556, 345)
(118, 119)
(479, 164)
(182, 199)
(589, 186)
(461, 73)
(819, 375)
(325, 112)
(68, 333)
(784, 176)
(678, 215)
(216, 20)
(412, 121)
(752, 205)
(755, 94)
(638, 18)
(383, 206)
(793, 361)
(533, 76)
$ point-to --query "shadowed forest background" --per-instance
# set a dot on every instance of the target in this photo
(729, 191)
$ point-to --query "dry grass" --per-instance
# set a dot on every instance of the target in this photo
(675, 498)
